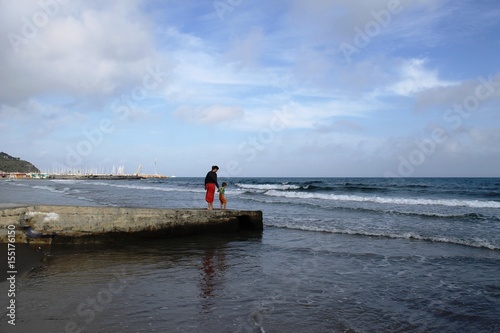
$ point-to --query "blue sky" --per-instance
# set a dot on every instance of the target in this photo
(261, 88)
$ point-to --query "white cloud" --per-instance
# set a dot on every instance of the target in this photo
(90, 52)
(414, 77)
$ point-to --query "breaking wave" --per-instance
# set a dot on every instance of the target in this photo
(477, 243)
(385, 200)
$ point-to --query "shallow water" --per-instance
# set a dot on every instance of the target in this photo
(286, 281)
(321, 265)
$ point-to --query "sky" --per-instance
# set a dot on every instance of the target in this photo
(297, 88)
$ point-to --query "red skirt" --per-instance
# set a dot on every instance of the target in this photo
(209, 197)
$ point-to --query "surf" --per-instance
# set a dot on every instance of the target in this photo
(385, 200)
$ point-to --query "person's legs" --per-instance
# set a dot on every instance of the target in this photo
(222, 202)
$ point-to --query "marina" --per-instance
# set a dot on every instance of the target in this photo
(30, 175)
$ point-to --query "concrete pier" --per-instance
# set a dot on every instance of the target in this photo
(77, 224)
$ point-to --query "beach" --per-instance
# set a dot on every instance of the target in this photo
(336, 255)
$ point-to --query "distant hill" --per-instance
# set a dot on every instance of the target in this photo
(15, 164)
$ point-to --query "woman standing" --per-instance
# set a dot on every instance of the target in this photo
(210, 184)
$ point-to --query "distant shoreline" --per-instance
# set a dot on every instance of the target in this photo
(105, 177)
(19, 175)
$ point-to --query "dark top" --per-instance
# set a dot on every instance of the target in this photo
(211, 178)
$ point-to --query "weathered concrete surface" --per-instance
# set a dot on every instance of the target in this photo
(77, 224)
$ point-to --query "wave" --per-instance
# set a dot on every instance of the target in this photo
(267, 187)
(15, 183)
(377, 210)
(458, 216)
(53, 189)
(477, 243)
(381, 200)
(146, 188)
(311, 187)
(66, 181)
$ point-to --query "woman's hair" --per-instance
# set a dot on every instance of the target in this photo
(215, 167)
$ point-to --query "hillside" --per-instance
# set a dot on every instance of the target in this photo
(15, 164)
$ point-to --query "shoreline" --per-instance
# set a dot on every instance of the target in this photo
(20, 175)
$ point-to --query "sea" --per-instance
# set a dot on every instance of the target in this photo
(336, 255)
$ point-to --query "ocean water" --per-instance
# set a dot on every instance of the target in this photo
(336, 255)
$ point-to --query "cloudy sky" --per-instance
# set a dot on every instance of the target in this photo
(261, 88)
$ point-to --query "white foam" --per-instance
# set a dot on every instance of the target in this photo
(267, 187)
(50, 189)
(476, 242)
(381, 200)
(67, 181)
(151, 188)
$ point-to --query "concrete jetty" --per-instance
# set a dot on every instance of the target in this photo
(39, 224)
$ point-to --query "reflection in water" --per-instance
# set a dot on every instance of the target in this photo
(26, 257)
(212, 275)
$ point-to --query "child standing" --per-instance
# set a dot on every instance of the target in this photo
(222, 196)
